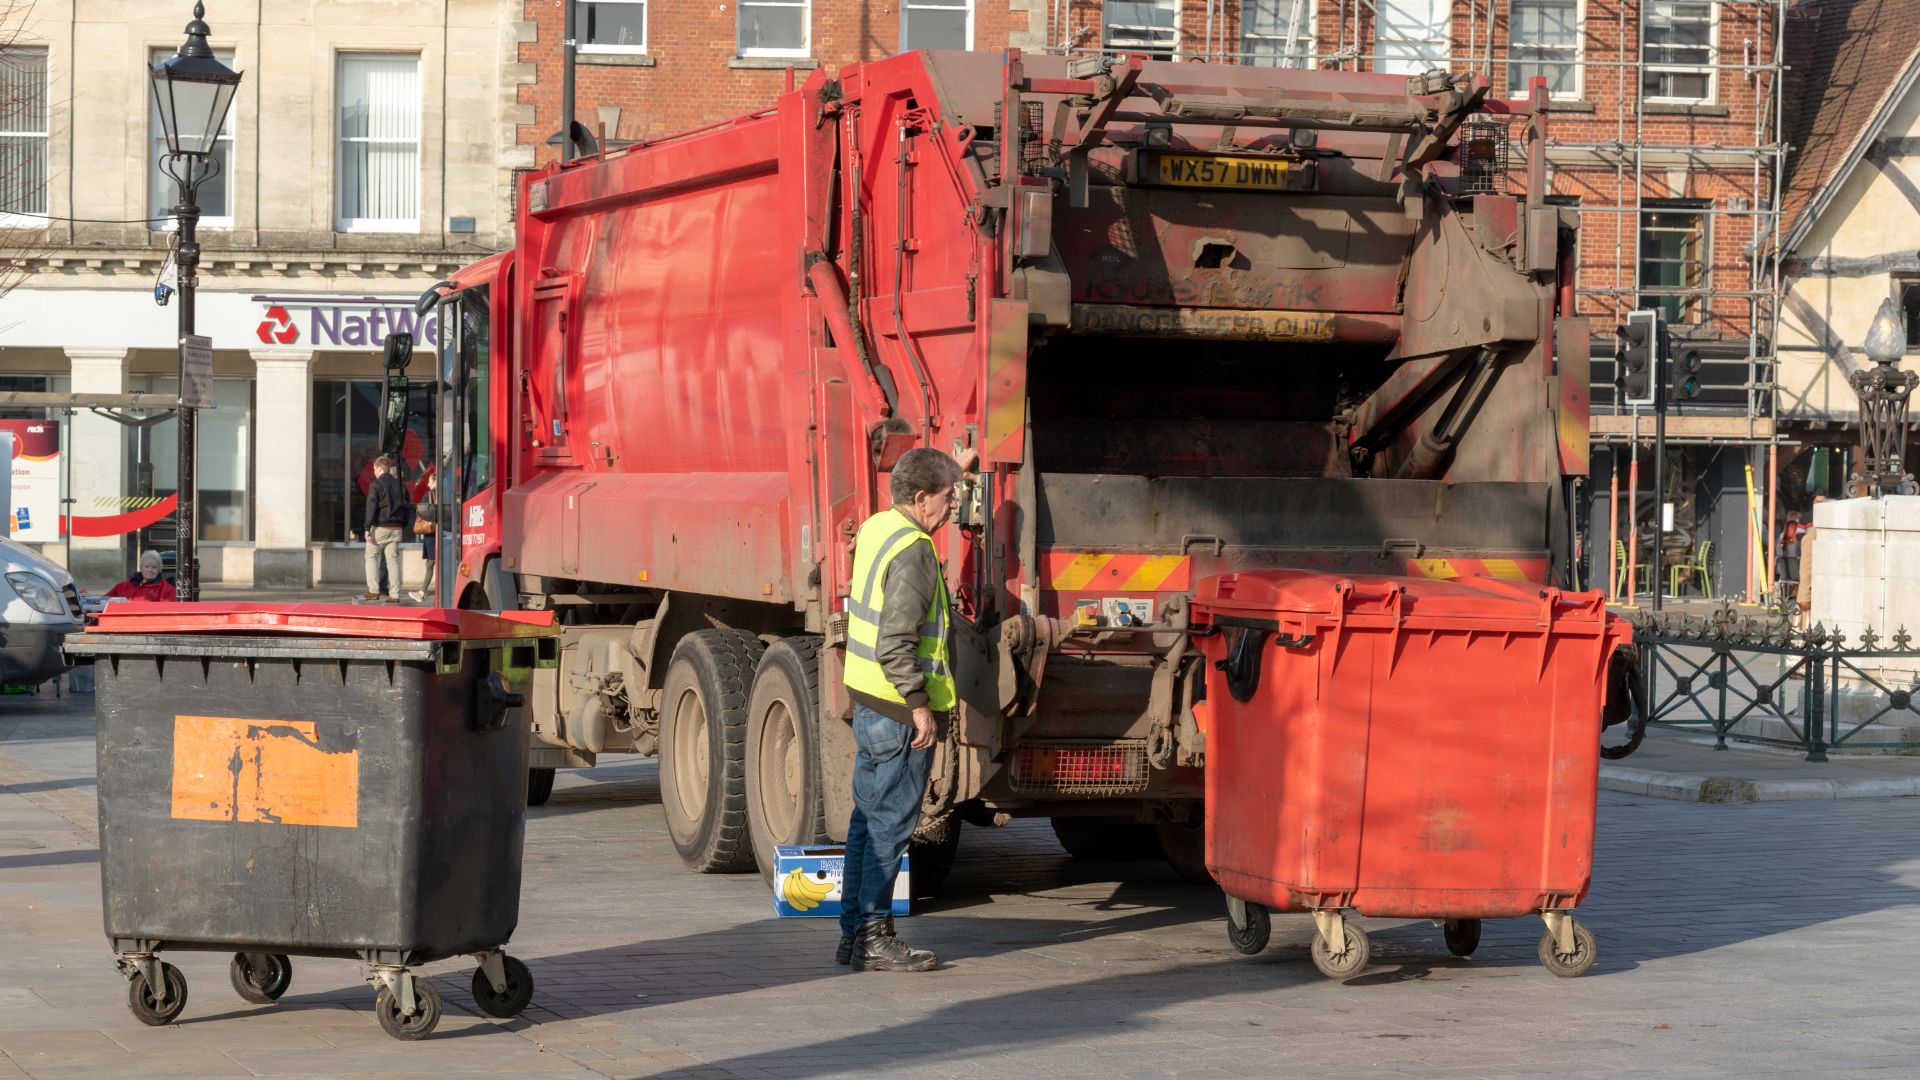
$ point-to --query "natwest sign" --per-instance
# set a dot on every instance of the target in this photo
(320, 322)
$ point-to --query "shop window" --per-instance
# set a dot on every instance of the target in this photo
(1673, 260)
(1545, 42)
(346, 439)
(936, 24)
(23, 136)
(773, 27)
(223, 468)
(215, 197)
(1410, 36)
(1676, 51)
(379, 153)
(1147, 27)
(1276, 33)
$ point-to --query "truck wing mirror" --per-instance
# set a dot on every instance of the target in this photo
(399, 351)
(393, 418)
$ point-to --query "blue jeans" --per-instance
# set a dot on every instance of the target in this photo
(889, 781)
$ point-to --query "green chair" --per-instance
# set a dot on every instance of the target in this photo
(1681, 571)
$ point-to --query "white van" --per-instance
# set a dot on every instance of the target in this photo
(39, 607)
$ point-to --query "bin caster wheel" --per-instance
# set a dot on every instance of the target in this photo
(260, 977)
(1463, 936)
(146, 1008)
(505, 1005)
(1248, 926)
(1575, 963)
(1348, 961)
(417, 1026)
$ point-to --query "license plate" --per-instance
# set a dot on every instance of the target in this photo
(1194, 170)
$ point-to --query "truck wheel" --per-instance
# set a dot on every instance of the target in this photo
(703, 741)
(539, 786)
(785, 801)
(930, 862)
(1105, 840)
(1184, 845)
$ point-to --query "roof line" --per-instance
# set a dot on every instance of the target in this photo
(1856, 152)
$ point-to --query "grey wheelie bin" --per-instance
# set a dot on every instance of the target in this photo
(313, 780)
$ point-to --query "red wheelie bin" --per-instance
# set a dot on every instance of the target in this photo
(1402, 748)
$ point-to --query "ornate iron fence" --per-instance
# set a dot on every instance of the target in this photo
(1713, 673)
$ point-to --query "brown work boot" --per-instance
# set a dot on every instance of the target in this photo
(877, 949)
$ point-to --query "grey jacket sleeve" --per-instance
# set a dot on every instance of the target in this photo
(912, 578)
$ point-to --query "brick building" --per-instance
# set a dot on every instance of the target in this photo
(1665, 135)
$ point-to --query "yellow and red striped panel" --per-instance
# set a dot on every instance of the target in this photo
(1534, 570)
(1101, 572)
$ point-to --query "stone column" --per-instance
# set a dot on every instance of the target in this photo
(282, 446)
(99, 467)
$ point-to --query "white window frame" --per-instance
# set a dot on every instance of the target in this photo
(1173, 46)
(1309, 14)
(1578, 59)
(11, 220)
(646, 28)
(907, 6)
(162, 219)
(806, 28)
(341, 222)
(1444, 41)
(1713, 56)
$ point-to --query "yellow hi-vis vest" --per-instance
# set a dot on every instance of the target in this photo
(881, 540)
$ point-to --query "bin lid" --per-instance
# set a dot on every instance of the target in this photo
(1316, 596)
(330, 620)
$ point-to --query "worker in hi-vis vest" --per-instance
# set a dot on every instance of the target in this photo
(901, 681)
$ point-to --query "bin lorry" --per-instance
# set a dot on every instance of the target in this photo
(1193, 318)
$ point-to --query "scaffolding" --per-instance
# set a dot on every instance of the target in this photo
(1736, 335)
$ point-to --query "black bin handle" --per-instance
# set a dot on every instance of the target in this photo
(492, 700)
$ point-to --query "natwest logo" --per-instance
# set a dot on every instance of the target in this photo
(337, 321)
(278, 328)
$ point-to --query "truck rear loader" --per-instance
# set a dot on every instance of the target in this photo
(1194, 318)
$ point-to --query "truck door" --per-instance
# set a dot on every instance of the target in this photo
(465, 471)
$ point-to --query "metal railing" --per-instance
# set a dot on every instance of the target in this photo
(1711, 674)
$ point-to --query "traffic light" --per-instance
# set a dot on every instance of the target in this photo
(1686, 375)
(1641, 340)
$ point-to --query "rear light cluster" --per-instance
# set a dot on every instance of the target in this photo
(1071, 767)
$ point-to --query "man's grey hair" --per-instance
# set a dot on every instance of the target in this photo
(384, 461)
(154, 555)
(922, 469)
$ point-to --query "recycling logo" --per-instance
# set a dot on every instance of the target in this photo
(278, 327)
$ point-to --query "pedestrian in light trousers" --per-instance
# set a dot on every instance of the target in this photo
(900, 678)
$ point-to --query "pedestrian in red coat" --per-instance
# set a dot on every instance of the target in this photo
(147, 584)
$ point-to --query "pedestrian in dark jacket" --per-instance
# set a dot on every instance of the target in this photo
(389, 512)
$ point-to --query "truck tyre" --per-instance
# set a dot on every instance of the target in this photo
(929, 862)
(786, 803)
(1184, 845)
(1090, 839)
(539, 786)
(703, 741)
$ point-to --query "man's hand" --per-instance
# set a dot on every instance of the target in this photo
(969, 460)
(923, 729)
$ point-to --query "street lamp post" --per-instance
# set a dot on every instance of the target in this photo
(194, 90)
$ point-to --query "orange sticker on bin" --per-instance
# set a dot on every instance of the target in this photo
(261, 771)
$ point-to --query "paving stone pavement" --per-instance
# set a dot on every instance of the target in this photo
(1760, 940)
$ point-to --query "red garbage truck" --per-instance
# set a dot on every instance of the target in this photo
(1194, 318)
